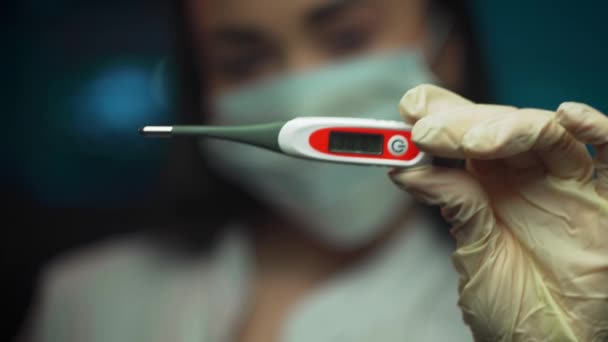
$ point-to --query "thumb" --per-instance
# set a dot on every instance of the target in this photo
(427, 99)
(464, 203)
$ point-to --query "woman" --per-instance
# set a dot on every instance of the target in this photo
(333, 252)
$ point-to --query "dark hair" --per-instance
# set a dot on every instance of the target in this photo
(200, 201)
(475, 87)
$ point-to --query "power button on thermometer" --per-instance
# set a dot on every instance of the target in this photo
(397, 145)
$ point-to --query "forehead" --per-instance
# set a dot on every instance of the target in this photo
(286, 14)
(258, 11)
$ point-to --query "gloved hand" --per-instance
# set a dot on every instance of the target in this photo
(529, 213)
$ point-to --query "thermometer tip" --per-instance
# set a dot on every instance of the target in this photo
(159, 131)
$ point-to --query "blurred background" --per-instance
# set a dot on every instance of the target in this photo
(82, 76)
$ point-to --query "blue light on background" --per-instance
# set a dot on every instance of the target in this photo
(89, 152)
(118, 101)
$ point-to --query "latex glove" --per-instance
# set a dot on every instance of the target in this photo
(529, 216)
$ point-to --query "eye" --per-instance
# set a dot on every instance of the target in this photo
(348, 40)
(240, 68)
(349, 32)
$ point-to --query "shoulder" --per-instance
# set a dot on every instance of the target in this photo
(83, 267)
(128, 288)
(92, 291)
(131, 266)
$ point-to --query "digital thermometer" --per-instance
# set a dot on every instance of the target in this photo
(332, 139)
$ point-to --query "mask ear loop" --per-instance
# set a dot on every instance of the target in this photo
(440, 27)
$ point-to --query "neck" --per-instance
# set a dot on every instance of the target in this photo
(290, 265)
(282, 247)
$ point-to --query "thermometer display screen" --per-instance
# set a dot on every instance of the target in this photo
(362, 143)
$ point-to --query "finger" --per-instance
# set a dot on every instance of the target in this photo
(515, 133)
(448, 125)
(589, 126)
(464, 203)
(500, 132)
(425, 99)
(441, 133)
(583, 122)
(601, 169)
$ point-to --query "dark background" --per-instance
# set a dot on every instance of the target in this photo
(81, 76)
(85, 77)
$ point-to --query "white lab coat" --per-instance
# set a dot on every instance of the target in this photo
(128, 290)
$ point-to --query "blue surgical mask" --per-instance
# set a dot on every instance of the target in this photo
(343, 205)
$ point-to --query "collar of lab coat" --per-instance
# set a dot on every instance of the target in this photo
(401, 292)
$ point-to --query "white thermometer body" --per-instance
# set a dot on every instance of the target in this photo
(358, 141)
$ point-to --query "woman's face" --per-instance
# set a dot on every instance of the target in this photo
(246, 40)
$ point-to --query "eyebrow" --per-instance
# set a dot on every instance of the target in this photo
(328, 11)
